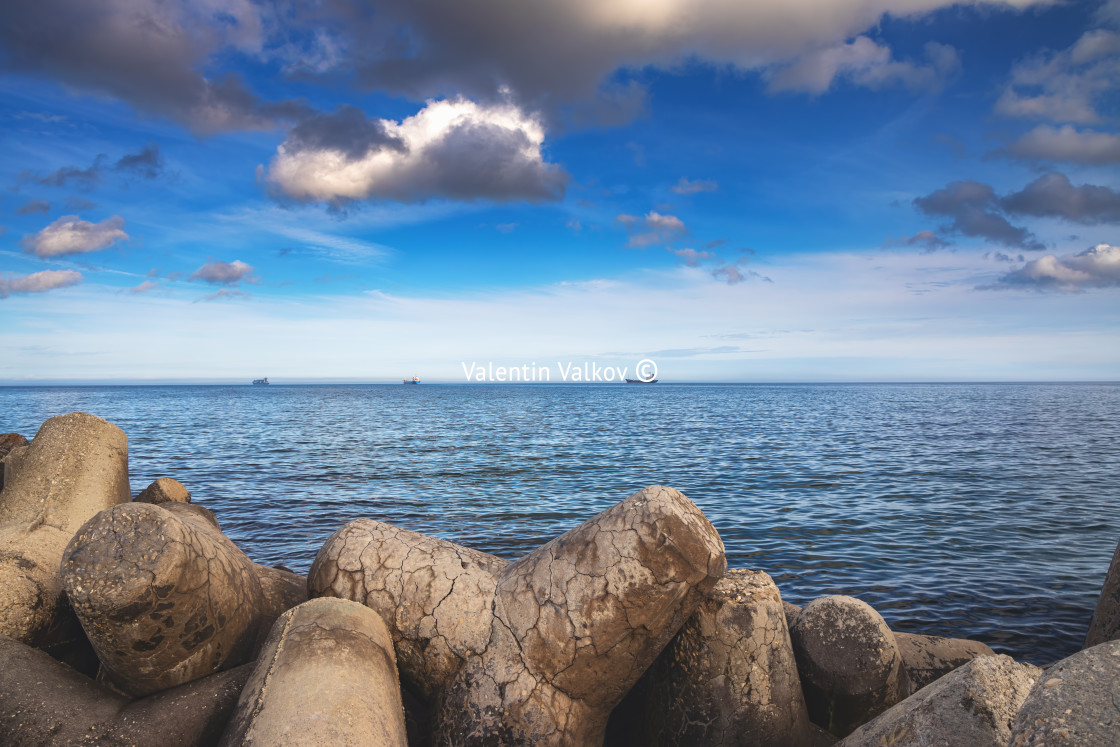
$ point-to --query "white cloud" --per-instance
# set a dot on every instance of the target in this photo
(225, 273)
(452, 148)
(866, 63)
(1096, 267)
(1066, 143)
(72, 235)
(38, 282)
(652, 228)
(692, 257)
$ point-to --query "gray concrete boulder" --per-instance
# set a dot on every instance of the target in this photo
(327, 675)
(165, 597)
(76, 466)
(1074, 702)
(9, 443)
(850, 667)
(973, 705)
(1105, 624)
(164, 490)
(792, 611)
(43, 702)
(728, 677)
(541, 650)
(928, 657)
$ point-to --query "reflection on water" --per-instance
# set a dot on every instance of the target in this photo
(986, 511)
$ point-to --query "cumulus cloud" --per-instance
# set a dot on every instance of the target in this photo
(1065, 86)
(688, 187)
(1052, 195)
(38, 282)
(867, 63)
(1066, 143)
(1096, 267)
(453, 148)
(225, 273)
(72, 235)
(652, 228)
(973, 208)
(147, 53)
(692, 257)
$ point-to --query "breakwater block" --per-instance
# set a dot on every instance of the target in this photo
(850, 667)
(76, 466)
(729, 677)
(165, 597)
(1105, 624)
(972, 705)
(326, 675)
(540, 650)
(44, 702)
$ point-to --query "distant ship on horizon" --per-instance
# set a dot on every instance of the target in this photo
(641, 381)
(260, 382)
(413, 380)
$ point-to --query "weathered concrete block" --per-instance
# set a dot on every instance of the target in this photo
(928, 657)
(1105, 624)
(728, 677)
(792, 611)
(327, 675)
(10, 442)
(43, 702)
(164, 596)
(973, 705)
(1074, 702)
(850, 666)
(163, 490)
(76, 466)
(540, 650)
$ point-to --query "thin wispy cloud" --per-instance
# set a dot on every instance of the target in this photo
(652, 228)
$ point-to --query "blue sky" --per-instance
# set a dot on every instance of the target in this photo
(816, 190)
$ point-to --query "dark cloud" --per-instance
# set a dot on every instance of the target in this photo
(86, 178)
(972, 206)
(34, 206)
(926, 239)
(1096, 267)
(346, 130)
(147, 162)
(147, 53)
(1053, 196)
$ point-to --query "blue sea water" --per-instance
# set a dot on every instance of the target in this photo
(988, 511)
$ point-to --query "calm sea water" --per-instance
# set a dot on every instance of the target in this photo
(988, 511)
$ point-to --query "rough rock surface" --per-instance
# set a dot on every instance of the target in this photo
(928, 657)
(1105, 625)
(973, 705)
(326, 676)
(164, 596)
(537, 651)
(850, 666)
(163, 490)
(9, 464)
(43, 702)
(792, 611)
(10, 442)
(728, 677)
(76, 466)
(1074, 702)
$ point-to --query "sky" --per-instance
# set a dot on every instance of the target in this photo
(736, 190)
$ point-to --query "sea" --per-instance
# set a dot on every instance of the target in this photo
(985, 511)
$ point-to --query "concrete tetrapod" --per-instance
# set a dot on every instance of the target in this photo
(541, 650)
(1105, 623)
(165, 597)
(728, 677)
(75, 466)
(850, 666)
(43, 702)
(972, 706)
(326, 676)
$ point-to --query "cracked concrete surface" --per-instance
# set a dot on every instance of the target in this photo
(165, 597)
(850, 667)
(541, 650)
(326, 676)
(43, 702)
(728, 677)
(973, 705)
(75, 466)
